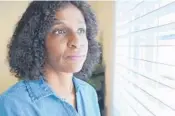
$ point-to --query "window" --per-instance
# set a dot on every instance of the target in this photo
(144, 83)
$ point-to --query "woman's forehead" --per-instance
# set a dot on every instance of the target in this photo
(69, 14)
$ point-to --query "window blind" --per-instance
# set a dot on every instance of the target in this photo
(144, 81)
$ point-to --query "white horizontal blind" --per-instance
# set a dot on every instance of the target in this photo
(144, 83)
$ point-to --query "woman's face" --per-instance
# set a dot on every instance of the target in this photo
(66, 42)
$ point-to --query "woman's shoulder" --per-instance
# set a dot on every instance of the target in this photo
(11, 99)
(14, 89)
(89, 97)
(15, 92)
(83, 85)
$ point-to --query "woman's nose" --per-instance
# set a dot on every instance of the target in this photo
(75, 41)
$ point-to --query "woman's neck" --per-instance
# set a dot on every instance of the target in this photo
(60, 82)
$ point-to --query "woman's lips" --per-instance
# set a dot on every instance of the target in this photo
(76, 57)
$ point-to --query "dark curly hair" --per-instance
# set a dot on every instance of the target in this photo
(26, 50)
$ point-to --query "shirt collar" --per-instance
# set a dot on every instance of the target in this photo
(38, 89)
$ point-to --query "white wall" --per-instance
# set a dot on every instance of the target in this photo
(105, 14)
(10, 12)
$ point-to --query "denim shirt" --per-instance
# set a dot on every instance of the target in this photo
(36, 98)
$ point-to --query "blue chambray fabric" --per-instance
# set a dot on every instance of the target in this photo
(36, 98)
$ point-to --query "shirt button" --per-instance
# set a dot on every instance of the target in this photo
(63, 99)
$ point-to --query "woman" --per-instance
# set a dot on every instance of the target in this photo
(53, 45)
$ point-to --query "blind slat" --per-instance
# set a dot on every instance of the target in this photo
(164, 82)
(156, 94)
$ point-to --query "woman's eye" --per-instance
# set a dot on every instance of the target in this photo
(81, 31)
(59, 32)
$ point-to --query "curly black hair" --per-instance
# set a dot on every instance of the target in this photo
(26, 49)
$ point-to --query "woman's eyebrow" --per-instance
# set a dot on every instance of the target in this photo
(58, 22)
(63, 22)
(81, 22)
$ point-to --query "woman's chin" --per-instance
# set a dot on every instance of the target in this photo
(73, 68)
